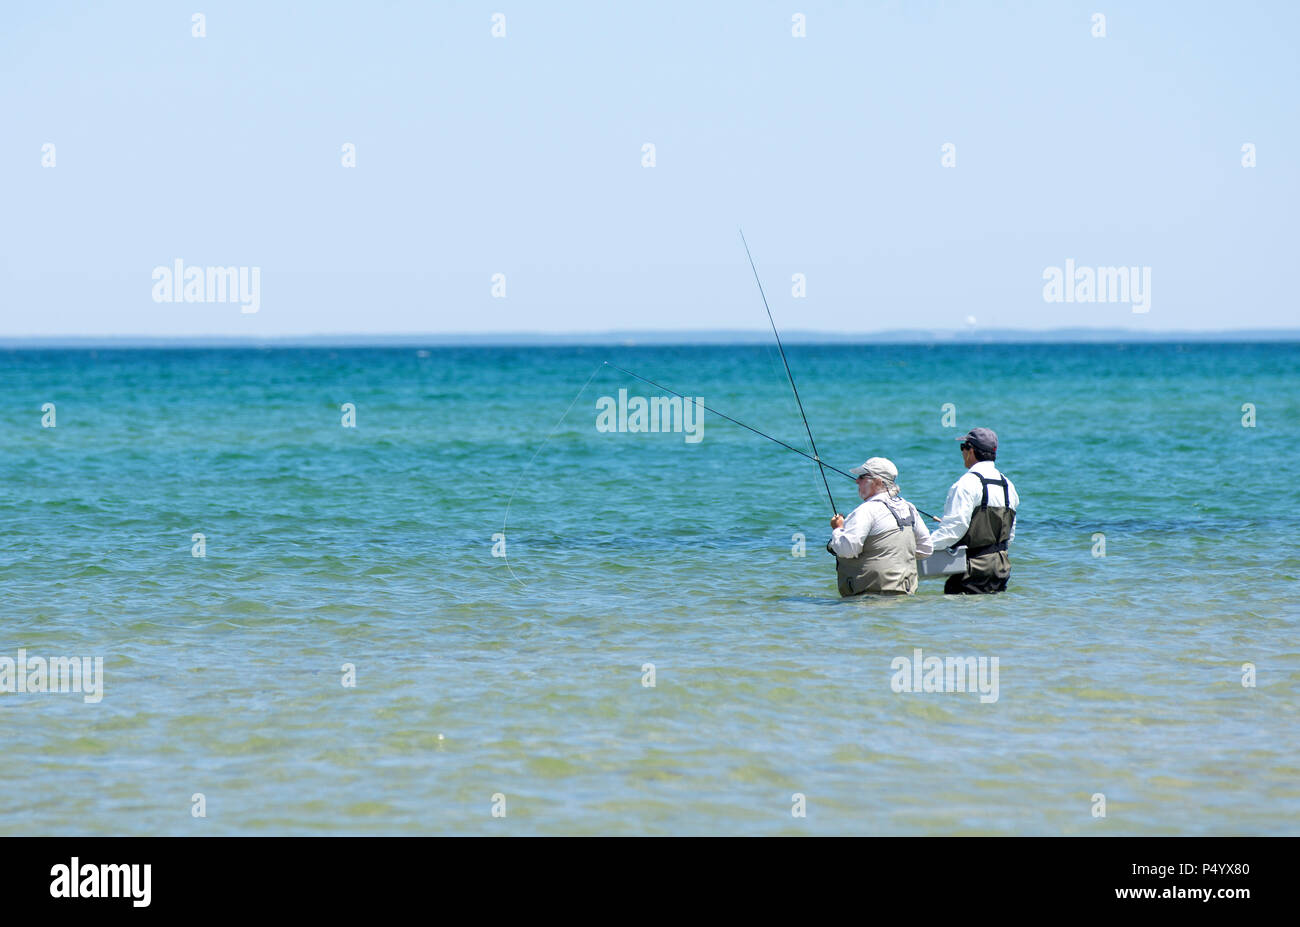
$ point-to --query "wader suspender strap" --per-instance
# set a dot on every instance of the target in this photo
(898, 521)
(984, 503)
(984, 481)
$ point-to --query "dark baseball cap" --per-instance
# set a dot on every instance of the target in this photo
(982, 439)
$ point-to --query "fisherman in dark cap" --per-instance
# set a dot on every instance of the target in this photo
(980, 514)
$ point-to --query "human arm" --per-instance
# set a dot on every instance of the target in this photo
(1014, 502)
(924, 547)
(847, 540)
(957, 511)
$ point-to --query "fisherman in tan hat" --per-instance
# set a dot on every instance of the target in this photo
(877, 546)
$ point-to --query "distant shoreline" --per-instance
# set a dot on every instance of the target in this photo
(658, 339)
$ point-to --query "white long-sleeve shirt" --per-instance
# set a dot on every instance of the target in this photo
(963, 496)
(869, 519)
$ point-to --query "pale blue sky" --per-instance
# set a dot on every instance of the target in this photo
(522, 155)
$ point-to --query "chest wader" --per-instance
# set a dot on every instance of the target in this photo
(987, 563)
(887, 564)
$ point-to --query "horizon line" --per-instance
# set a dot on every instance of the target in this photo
(653, 337)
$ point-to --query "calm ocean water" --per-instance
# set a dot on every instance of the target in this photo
(523, 677)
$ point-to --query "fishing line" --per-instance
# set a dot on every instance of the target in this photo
(815, 455)
(761, 434)
(522, 472)
(578, 395)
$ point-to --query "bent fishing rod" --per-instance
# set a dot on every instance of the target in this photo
(788, 447)
(815, 456)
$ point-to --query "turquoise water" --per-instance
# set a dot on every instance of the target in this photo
(523, 676)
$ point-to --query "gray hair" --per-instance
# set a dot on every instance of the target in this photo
(891, 486)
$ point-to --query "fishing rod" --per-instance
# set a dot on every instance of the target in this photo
(815, 456)
(788, 447)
